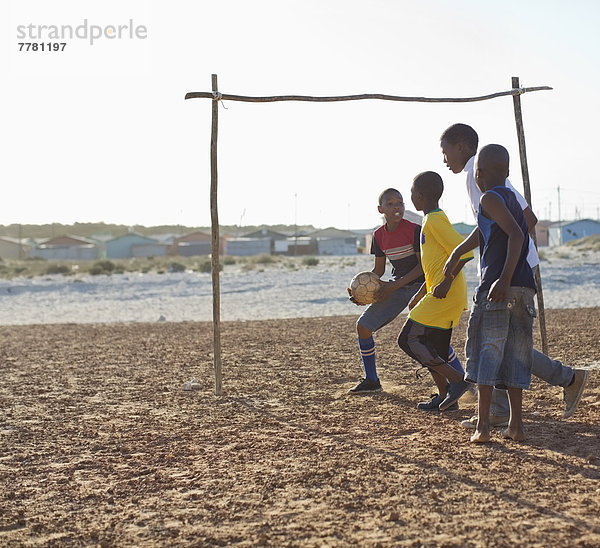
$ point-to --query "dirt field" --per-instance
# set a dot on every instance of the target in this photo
(99, 444)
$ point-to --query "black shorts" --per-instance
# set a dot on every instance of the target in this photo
(430, 346)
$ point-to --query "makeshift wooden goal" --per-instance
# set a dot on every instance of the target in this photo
(217, 96)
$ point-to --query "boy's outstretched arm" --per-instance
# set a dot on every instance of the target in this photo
(470, 243)
(496, 210)
(418, 296)
(531, 219)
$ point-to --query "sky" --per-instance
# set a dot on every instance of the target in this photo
(100, 131)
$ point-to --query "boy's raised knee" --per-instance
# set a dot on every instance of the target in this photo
(363, 332)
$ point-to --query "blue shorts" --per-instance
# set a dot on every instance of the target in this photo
(499, 345)
(378, 315)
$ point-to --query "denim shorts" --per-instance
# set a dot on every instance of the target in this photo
(499, 345)
(378, 315)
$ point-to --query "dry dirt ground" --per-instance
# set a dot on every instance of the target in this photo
(99, 444)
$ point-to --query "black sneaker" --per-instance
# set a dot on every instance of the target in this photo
(366, 386)
(455, 391)
(434, 404)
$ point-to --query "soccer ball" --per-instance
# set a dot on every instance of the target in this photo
(363, 287)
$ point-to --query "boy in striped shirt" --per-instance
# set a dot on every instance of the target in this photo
(397, 241)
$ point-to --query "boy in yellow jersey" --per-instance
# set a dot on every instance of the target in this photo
(437, 306)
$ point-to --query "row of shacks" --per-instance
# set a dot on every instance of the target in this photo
(328, 241)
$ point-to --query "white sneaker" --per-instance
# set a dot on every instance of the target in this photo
(573, 392)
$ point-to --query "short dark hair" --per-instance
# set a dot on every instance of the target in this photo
(461, 133)
(430, 184)
(388, 191)
(495, 158)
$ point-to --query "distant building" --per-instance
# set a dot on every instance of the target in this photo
(134, 245)
(152, 249)
(13, 248)
(257, 242)
(565, 231)
(363, 237)
(333, 241)
(243, 247)
(542, 229)
(266, 233)
(66, 247)
(296, 245)
(194, 243)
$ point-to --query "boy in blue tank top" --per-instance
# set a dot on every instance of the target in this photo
(500, 333)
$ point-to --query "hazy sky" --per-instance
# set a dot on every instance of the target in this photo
(101, 132)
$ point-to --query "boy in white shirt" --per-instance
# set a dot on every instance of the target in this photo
(459, 145)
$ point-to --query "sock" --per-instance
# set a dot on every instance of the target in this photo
(367, 353)
(454, 362)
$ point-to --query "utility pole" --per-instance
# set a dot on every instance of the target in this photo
(20, 243)
(527, 193)
(559, 219)
(348, 217)
(295, 224)
(241, 220)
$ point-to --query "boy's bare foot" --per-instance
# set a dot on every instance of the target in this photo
(516, 434)
(480, 437)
